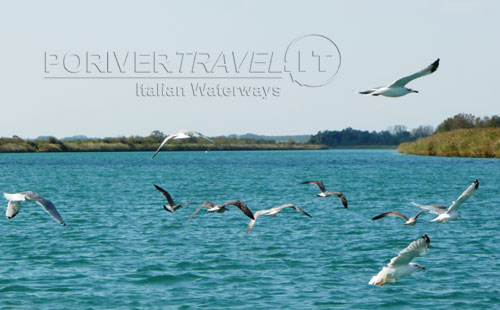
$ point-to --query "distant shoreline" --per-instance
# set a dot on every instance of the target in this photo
(150, 144)
(474, 143)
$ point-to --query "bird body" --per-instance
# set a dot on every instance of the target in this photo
(401, 265)
(14, 205)
(397, 88)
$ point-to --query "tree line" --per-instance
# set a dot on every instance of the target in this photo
(467, 121)
(353, 137)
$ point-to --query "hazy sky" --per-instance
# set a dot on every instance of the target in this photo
(379, 41)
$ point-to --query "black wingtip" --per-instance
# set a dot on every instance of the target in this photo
(427, 239)
(435, 65)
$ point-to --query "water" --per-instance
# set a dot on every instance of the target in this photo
(121, 250)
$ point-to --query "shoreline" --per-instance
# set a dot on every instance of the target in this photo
(467, 143)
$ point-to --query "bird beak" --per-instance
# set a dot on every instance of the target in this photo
(415, 91)
(421, 267)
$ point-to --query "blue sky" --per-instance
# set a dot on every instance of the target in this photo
(379, 42)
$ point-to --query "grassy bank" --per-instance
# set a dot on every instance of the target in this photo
(476, 142)
(149, 144)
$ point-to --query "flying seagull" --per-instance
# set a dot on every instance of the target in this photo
(397, 88)
(223, 208)
(171, 207)
(452, 212)
(401, 265)
(210, 206)
(15, 200)
(181, 135)
(325, 193)
(273, 212)
(409, 220)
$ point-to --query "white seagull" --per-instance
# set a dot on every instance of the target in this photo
(183, 134)
(397, 88)
(273, 212)
(325, 193)
(401, 265)
(15, 200)
(408, 220)
(452, 212)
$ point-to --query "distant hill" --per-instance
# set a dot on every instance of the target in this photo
(294, 138)
(77, 137)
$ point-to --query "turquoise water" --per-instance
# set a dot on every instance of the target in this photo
(121, 250)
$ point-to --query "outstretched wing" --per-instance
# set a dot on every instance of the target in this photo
(296, 208)
(166, 194)
(342, 198)
(256, 215)
(471, 190)
(47, 205)
(162, 144)
(199, 135)
(395, 213)
(405, 80)
(415, 248)
(318, 183)
(205, 204)
(436, 209)
(243, 207)
(13, 208)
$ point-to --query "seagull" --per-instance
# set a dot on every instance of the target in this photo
(397, 88)
(171, 207)
(223, 208)
(273, 212)
(211, 206)
(183, 134)
(452, 212)
(325, 193)
(401, 265)
(409, 220)
(15, 200)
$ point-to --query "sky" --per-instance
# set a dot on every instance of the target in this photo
(379, 41)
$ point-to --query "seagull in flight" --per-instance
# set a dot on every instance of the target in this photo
(452, 212)
(171, 207)
(325, 193)
(273, 212)
(397, 88)
(401, 265)
(15, 200)
(223, 208)
(210, 206)
(408, 220)
(183, 134)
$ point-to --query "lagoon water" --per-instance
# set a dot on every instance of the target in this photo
(121, 250)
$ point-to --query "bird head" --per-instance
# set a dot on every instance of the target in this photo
(417, 266)
(476, 182)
